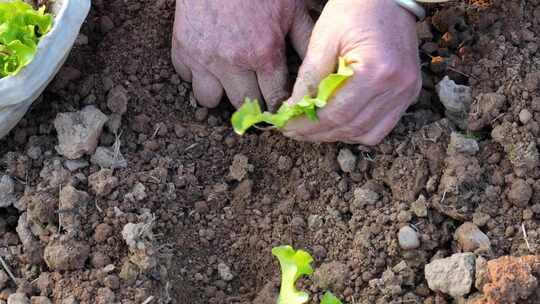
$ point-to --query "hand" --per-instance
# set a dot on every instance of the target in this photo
(238, 46)
(379, 37)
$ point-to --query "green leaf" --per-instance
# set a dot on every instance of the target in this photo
(21, 28)
(329, 298)
(294, 264)
(250, 112)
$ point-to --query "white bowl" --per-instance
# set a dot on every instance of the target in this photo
(17, 93)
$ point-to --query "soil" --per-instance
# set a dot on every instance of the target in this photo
(216, 203)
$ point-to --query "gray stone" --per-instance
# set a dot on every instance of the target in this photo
(79, 132)
(408, 238)
(525, 116)
(225, 272)
(7, 191)
(471, 239)
(108, 158)
(117, 100)
(453, 275)
(459, 143)
(346, 160)
(138, 193)
(457, 100)
(18, 298)
(75, 164)
(364, 196)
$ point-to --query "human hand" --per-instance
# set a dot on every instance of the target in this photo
(378, 38)
(238, 46)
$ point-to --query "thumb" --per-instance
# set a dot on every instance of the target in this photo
(320, 61)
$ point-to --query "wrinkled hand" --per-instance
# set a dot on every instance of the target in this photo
(238, 46)
(380, 38)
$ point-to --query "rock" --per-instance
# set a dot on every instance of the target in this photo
(7, 192)
(481, 273)
(240, 167)
(53, 174)
(315, 221)
(389, 283)
(471, 239)
(41, 208)
(129, 273)
(404, 216)
(99, 260)
(363, 197)
(102, 232)
(73, 204)
(459, 143)
(520, 193)
(40, 300)
(332, 275)
(138, 193)
(4, 278)
(225, 272)
(79, 132)
(111, 281)
(346, 160)
(106, 24)
(480, 219)
(285, 163)
(419, 207)
(117, 100)
(34, 152)
(512, 280)
(525, 116)
(105, 296)
(74, 165)
(32, 247)
(66, 254)
(103, 182)
(453, 275)
(18, 298)
(408, 238)
(70, 300)
(108, 158)
(139, 239)
(457, 100)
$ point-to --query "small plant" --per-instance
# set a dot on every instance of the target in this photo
(250, 113)
(21, 28)
(295, 264)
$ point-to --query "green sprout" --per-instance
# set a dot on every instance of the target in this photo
(294, 264)
(250, 113)
(329, 298)
(21, 28)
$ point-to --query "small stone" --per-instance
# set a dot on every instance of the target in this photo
(471, 239)
(481, 273)
(7, 192)
(453, 275)
(332, 275)
(18, 298)
(117, 100)
(346, 160)
(138, 193)
(76, 164)
(79, 132)
(315, 222)
(102, 232)
(40, 300)
(419, 207)
(404, 216)
(111, 281)
(457, 100)
(408, 238)
(240, 167)
(103, 182)
(108, 158)
(82, 39)
(105, 296)
(225, 272)
(70, 300)
(459, 143)
(525, 116)
(364, 196)
(34, 152)
(62, 255)
(106, 24)
(284, 163)
(480, 219)
(520, 193)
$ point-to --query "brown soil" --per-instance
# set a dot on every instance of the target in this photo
(211, 217)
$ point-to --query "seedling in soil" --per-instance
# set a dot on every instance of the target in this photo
(295, 264)
(250, 113)
(21, 28)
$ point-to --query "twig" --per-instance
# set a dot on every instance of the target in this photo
(525, 236)
(6, 268)
(148, 300)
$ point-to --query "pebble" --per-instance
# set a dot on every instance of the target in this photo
(75, 164)
(520, 193)
(225, 272)
(346, 160)
(453, 275)
(18, 298)
(7, 191)
(404, 216)
(408, 238)
(471, 239)
(201, 114)
(419, 207)
(40, 300)
(525, 116)
(457, 99)
(103, 182)
(480, 219)
(459, 143)
(34, 152)
(117, 100)
(364, 196)
(332, 275)
(108, 158)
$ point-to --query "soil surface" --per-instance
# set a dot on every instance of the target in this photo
(192, 214)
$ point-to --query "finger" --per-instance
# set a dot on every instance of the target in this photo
(240, 84)
(179, 65)
(380, 131)
(301, 30)
(207, 89)
(272, 80)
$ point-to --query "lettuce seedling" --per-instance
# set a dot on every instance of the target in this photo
(21, 28)
(329, 298)
(294, 264)
(250, 113)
